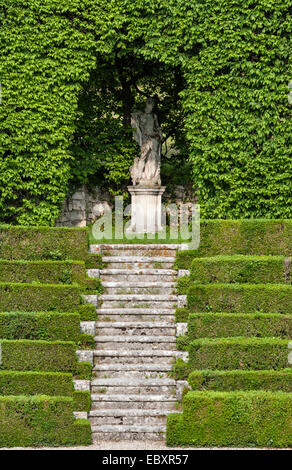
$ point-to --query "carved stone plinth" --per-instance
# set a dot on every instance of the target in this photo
(146, 209)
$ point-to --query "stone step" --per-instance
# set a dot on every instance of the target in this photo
(158, 252)
(128, 417)
(99, 436)
(139, 275)
(137, 301)
(137, 356)
(128, 428)
(136, 262)
(111, 319)
(135, 342)
(138, 287)
(135, 328)
(136, 314)
(132, 371)
(133, 386)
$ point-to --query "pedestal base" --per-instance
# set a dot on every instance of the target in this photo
(146, 209)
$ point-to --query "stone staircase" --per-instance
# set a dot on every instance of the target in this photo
(132, 390)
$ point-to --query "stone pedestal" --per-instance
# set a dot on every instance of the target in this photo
(145, 209)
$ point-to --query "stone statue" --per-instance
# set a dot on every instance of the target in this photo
(146, 169)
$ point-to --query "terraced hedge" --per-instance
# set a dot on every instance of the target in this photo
(39, 421)
(45, 326)
(35, 383)
(247, 298)
(47, 243)
(216, 325)
(256, 418)
(47, 272)
(38, 297)
(240, 237)
(229, 380)
(58, 356)
(241, 269)
(238, 353)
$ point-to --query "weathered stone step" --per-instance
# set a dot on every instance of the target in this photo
(128, 417)
(135, 328)
(136, 356)
(135, 342)
(136, 311)
(140, 275)
(133, 386)
(97, 437)
(132, 398)
(137, 300)
(131, 383)
(111, 319)
(137, 287)
(129, 428)
(133, 367)
(136, 262)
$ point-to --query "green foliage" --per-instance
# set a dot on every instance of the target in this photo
(43, 243)
(45, 326)
(234, 419)
(239, 237)
(28, 355)
(242, 298)
(238, 353)
(35, 383)
(216, 325)
(43, 297)
(229, 380)
(83, 371)
(82, 400)
(40, 421)
(241, 269)
(87, 312)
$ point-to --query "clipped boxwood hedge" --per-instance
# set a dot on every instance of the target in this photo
(47, 272)
(234, 419)
(87, 312)
(240, 237)
(241, 269)
(82, 400)
(229, 380)
(35, 383)
(40, 421)
(238, 353)
(243, 298)
(48, 243)
(38, 297)
(215, 325)
(38, 355)
(46, 326)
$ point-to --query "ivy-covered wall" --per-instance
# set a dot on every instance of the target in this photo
(234, 57)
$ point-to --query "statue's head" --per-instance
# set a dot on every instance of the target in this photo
(150, 103)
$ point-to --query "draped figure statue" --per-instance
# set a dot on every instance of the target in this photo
(146, 169)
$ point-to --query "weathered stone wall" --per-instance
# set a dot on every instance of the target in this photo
(84, 207)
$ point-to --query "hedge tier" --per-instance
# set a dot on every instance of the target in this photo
(59, 356)
(38, 297)
(46, 272)
(269, 380)
(261, 419)
(215, 325)
(240, 237)
(48, 243)
(241, 269)
(82, 400)
(35, 383)
(45, 326)
(238, 353)
(246, 298)
(40, 421)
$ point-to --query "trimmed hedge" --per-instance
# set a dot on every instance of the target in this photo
(40, 421)
(241, 269)
(25, 355)
(240, 237)
(35, 383)
(94, 261)
(47, 272)
(261, 419)
(83, 371)
(82, 400)
(215, 325)
(41, 297)
(45, 326)
(87, 312)
(238, 353)
(48, 243)
(240, 298)
(217, 380)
